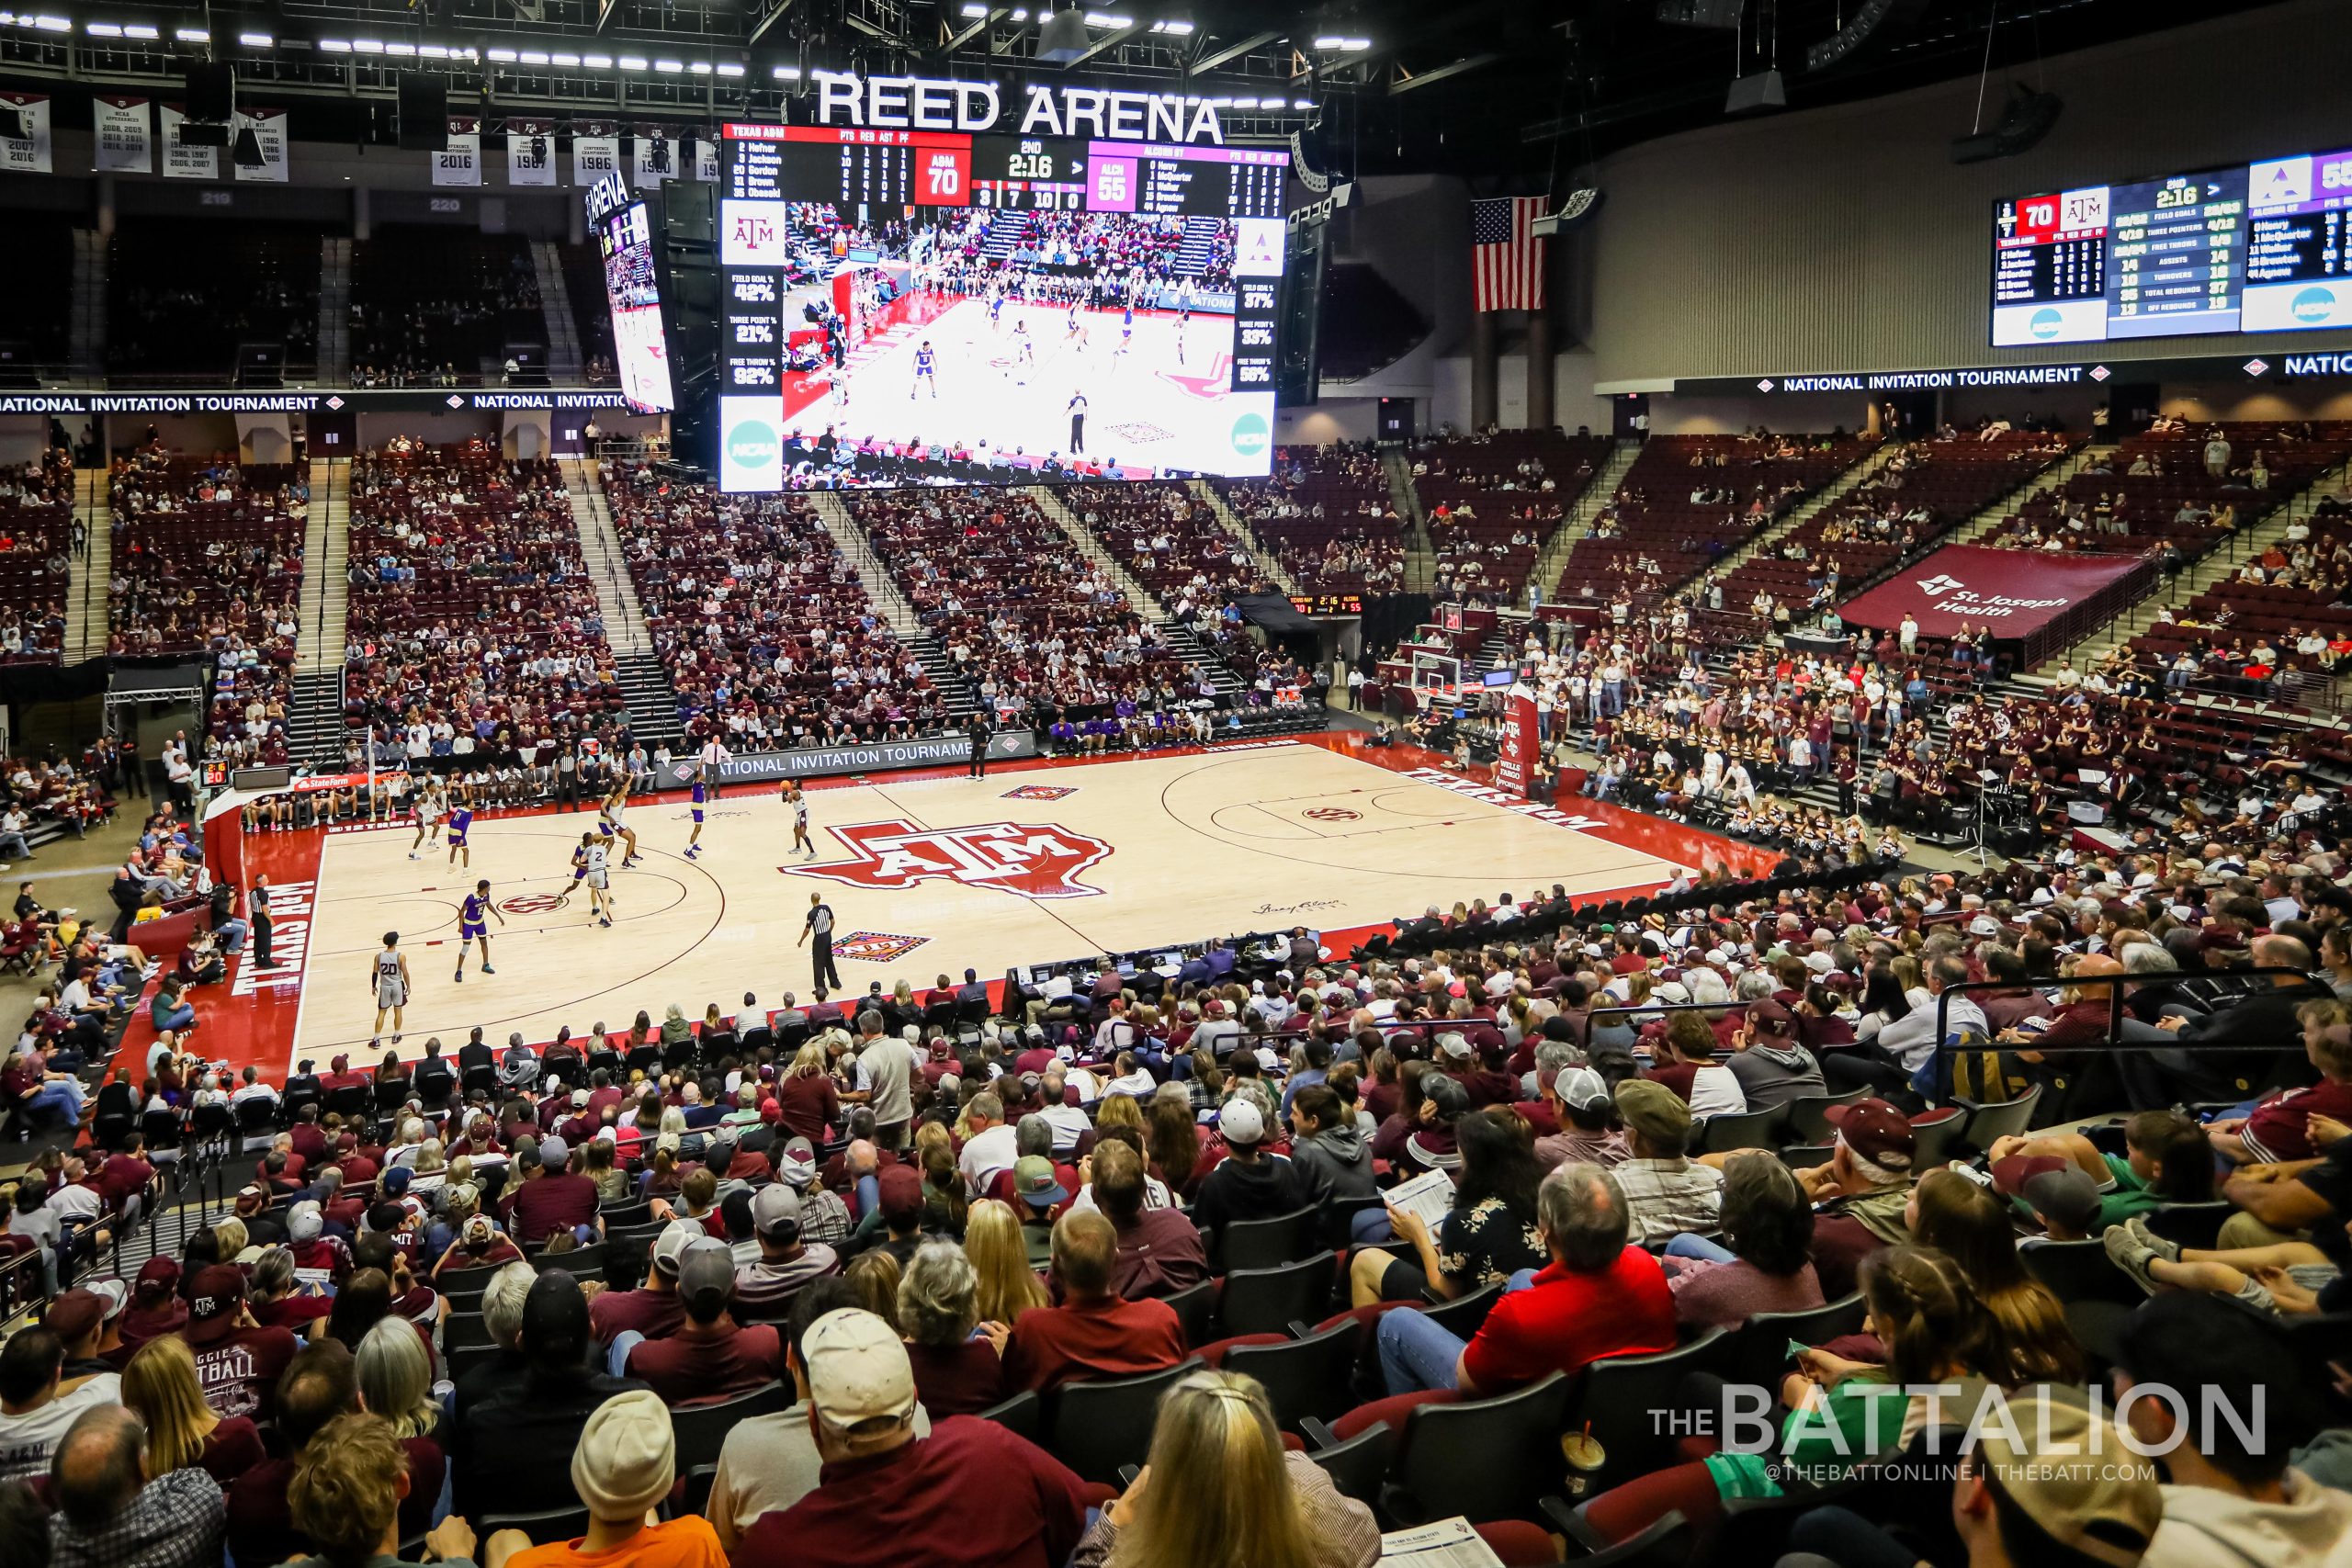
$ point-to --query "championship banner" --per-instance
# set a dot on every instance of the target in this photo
(658, 155)
(182, 163)
(30, 154)
(705, 160)
(530, 152)
(2013, 593)
(766, 767)
(1515, 759)
(268, 127)
(123, 141)
(459, 163)
(595, 152)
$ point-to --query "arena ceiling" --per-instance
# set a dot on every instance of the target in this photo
(1515, 91)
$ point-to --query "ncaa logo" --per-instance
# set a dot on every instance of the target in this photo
(1250, 435)
(751, 444)
(2044, 322)
(2313, 306)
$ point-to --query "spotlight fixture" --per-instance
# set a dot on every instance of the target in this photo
(1062, 38)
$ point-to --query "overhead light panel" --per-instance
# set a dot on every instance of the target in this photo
(1179, 28)
(729, 68)
(334, 46)
(597, 62)
(367, 46)
(405, 51)
(102, 29)
(1105, 19)
(974, 13)
(255, 40)
(564, 59)
(433, 50)
(699, 67)
(504, 57)
(1331, 43)
(1302, 103)
(192, 35)
(633, 63)
(146, 31)
(52, 24)
(670, 67)
(788, 74)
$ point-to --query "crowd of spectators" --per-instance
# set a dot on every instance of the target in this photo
(769, 637)
(1033, 625)
(38, 543)
(1169, 539)
(208, 562)
(1493, 498)
(1326, 515)
(471, 614)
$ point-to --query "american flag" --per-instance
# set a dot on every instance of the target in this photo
(1506, 260)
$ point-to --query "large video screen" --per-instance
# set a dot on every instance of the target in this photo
(2253, 248)
(640, 353)
(917, 307)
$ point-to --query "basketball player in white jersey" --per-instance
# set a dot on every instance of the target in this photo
(428, 817)
(600, 882)
(389, 974)
(799, 803)
(611, 827)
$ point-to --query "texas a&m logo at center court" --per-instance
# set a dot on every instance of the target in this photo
(1029, 860)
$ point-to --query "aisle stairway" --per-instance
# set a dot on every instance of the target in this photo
(1180, 638)
(1420, 555)
(879, 587)
(555, 304)
(85, 603)
(1200, 241)
(1230, 521)
(87, 307)
(600, 553)
(334, 310)
(1552, 559)
(326, 565)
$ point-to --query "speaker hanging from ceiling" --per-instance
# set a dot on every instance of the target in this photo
(2026, 119)
(424, 112)
(1873, 19)
(211, 89)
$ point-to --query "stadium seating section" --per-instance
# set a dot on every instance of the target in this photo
(435, 306)
(182, 295)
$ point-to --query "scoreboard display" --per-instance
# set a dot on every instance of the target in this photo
(903, 304)
(2257, 248)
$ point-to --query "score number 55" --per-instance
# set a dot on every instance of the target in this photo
(944, 178)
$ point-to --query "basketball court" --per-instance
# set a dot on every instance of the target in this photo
(1034, 863)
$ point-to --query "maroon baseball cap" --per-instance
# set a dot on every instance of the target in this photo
(2010, 1174)
(902, 1192)
(214, 1296)
(1873, 1129)
(1770, 1020)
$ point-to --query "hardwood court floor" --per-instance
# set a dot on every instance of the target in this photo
(926, 874)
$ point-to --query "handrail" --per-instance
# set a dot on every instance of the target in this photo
(2116, 986)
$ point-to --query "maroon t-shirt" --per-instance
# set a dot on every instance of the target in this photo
(546, 1204)
(705, 1362)
(239, 1371)
(654, 1313)
(963, 1378)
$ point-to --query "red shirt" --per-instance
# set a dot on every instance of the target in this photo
(121, 1175)
(811, 1105)
(1564, 1320)
(546, 1204)
(961, 1380)
(707, 1361)
(239, 1372)
(972, 1492)
(1105, 1339)
(654, 1313)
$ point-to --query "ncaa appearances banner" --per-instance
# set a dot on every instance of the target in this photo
(459, 163)
(530, 151)
(268, 127)
(123, 141)
(182, 161)
(595, 152)
(2015, 592)
(28, 153)
(767, 767)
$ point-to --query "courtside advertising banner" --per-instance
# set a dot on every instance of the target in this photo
(766, 767)
(1515, 756)
(182, 161)
(2013, 593)
(123, 136)
(28, 153)
(268, 127)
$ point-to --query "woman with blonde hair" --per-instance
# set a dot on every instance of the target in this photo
(160, 1387)
(999, 1255)
(1219, 1491)
(812, 1103)
(396, 1378)
(1120, 1110)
